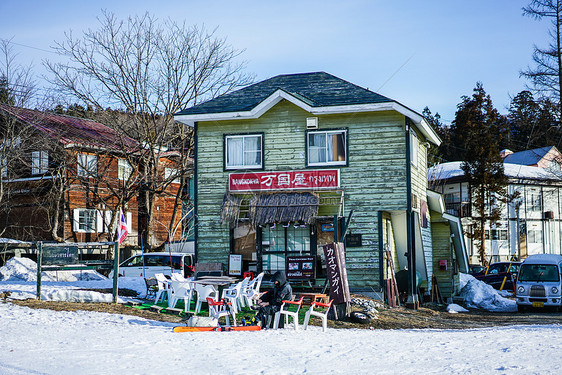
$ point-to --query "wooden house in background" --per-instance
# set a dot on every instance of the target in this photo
(277, 160)
(62, 178)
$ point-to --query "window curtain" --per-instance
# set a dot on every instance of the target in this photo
(252, 150)
(234, 151)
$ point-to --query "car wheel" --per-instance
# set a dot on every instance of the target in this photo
(359, 317)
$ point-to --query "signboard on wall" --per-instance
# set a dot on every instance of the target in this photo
(288, 180)
(302, 268)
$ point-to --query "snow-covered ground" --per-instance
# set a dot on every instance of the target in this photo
(34, 341)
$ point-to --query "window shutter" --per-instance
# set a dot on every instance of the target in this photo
(129, 218)
(76, 219)
(99, 221)
(107, 221)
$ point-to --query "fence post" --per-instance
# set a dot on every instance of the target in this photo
(39, 261)
(115, 272)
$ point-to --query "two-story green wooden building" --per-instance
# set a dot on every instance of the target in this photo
(275, 161)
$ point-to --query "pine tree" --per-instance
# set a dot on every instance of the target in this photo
(436, 155)
(6, 94)
(479, 131)
(532, 123)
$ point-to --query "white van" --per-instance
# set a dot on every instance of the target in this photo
(156, 263)
(539, 282)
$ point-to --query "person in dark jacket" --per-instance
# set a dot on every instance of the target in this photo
(270, 302)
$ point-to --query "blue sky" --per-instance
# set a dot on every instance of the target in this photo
(420, 53)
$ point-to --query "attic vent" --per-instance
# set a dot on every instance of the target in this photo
(312, 123)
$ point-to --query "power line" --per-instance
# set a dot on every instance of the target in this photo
(27, 46)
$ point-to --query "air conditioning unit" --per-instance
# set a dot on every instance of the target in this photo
(312, 123)
(549, 215)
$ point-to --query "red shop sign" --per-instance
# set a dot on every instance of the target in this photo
(289, 180)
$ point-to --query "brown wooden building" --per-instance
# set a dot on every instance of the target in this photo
(65, 178)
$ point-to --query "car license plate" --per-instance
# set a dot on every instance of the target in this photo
(538, 304)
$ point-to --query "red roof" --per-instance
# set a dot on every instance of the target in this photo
(71, 130)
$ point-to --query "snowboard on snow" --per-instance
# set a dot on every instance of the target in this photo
(216, 329)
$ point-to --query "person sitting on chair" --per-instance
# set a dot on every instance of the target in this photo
(270, 302)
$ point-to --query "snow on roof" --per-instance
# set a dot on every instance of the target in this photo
(528, 157)
(446, 171)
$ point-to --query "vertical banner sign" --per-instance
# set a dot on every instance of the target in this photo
(334, 254)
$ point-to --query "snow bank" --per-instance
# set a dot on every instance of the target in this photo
(478, 294)
(78, 296)
(453, 308)
(25, 269)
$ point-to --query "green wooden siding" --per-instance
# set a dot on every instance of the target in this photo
(374, 180)
(441, 233)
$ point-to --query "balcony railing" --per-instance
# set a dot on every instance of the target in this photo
(460, 209)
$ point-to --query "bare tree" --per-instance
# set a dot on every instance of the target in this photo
(149, 70)
(546, 76)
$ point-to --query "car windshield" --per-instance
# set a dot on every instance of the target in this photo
(539, 272)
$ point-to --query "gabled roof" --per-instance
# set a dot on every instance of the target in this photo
(528, 157)
(69, 130)
(318, 93)
(317, 89)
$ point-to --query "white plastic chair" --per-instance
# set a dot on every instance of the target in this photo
(203, 292)
(234, 294)
(176, 276)
(251, 293)
(288, 313)
(163, 287)
(180, 290)
(220, 308)
(320, 314)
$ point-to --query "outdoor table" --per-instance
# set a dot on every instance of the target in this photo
(313, 297)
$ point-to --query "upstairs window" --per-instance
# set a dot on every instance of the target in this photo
(85, 220)
(414, 147)
(327, 147)
(87, 165)
(39, 162)
(244, 151)
(124, 170)
(172, 173)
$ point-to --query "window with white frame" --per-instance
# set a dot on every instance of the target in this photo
(87, 165)
(327, 147)
(85, 220)
(414, 146)
(39, 162)
(243, 151)
(124, 170)
(172, 172)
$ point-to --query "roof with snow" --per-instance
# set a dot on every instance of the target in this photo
(446, 171)
(528, 157)
(70, 130)
(318, 93)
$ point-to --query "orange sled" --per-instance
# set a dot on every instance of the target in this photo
(216, 329)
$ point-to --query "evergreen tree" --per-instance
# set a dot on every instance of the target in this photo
(435, 155)
(532, 123)
(479, 130)
(6, 94)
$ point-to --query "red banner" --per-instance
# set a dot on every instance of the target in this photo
(289, 180)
